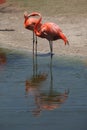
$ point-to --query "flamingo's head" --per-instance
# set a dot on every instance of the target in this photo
(34, 14)
(25, 15)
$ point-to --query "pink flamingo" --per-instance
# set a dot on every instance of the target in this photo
(2, 1)
(29, 24)
(49, 30)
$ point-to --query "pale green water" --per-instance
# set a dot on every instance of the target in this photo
(28, 107)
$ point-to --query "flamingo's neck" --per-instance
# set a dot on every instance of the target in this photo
(37, 26)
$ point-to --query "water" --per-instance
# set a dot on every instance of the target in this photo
(37, 93)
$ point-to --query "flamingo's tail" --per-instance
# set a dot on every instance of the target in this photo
(64, 38)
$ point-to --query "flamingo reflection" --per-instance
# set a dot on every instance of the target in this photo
(2, 58)
(34, 83)
(52, 99)
(44, 100)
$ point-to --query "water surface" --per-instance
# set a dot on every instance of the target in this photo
(37, 93)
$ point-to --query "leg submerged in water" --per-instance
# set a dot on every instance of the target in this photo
(51, 48)
(33, 42)
(36, 46)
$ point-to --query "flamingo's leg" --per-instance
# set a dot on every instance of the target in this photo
(51, 47)
(36, 45)
(33, 41)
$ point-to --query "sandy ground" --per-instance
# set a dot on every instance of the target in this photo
(14, 35)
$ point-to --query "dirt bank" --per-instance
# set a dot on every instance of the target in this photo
(14, 35)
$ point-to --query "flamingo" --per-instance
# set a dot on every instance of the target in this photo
(29, 24)
(49, 31)
(2, 1)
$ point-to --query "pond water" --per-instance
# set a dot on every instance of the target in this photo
(40, 93)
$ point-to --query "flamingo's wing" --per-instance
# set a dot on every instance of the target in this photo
(43, 31)
(51, 31)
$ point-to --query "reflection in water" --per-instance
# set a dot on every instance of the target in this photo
(37, 78)
(53, 99)
(43, 100)
(2, 58)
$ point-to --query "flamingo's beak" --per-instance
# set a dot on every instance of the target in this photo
(67, 43)
(25, 14)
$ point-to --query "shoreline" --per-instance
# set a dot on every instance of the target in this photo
(43, 54)
(13, 34)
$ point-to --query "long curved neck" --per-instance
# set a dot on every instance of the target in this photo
(38, 24)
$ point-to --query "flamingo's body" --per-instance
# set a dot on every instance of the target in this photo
(29, 23)
(50, 31)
